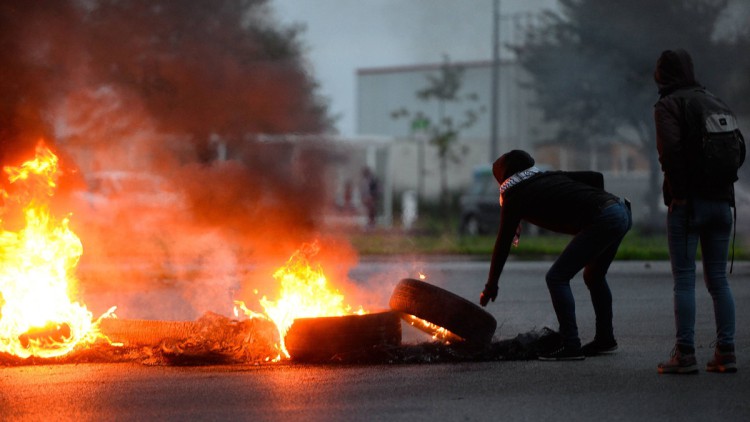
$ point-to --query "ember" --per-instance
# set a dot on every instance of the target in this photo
(49, 335)
(437, 332)
(37, 317)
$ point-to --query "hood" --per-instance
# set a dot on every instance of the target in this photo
(674, 70)
(511, 163)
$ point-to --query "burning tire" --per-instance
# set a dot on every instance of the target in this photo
(325, 338)
(414, 298)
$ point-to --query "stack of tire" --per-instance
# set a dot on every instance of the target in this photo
(443, 309)
(332, 338)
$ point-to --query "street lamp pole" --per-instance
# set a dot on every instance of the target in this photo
(495, 79)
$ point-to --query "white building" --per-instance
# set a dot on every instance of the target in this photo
(382, 91)
(520, 125)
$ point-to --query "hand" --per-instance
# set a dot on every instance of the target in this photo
(489, 293)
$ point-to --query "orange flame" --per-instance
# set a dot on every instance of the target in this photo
(37, 264)
(305, 293)
(437, 332)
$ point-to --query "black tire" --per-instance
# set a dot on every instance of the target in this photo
(322, 339)
(444, 309)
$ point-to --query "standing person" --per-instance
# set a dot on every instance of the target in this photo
(369, 191)
(565, 202)
(699, 207)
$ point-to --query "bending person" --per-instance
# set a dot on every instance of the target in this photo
(565, 202)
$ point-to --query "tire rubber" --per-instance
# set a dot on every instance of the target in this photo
(321, 339)
(444, 309)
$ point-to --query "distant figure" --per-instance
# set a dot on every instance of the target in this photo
(565, 202)
(369, 192)
(409, 212)
(699, 196)
(348, 206)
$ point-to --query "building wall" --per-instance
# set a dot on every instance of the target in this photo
(414, 163)
(382, 91)
(410, 158)
(617, 158)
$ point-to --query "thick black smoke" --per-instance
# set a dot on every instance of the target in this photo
(162, 112)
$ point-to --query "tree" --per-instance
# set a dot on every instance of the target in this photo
(38, 52)
(592, 66)
(443, 132)
(147, 85)
(207, 66)
(200, 67)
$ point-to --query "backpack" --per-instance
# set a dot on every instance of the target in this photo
(721, 147)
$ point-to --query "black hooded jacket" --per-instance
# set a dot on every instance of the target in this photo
(559, 201)
(678, 133)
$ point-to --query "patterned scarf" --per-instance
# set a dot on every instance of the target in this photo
(509, 183)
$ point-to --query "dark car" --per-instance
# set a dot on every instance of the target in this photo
(480, 206)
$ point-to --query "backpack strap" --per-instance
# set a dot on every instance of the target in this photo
(734, 230)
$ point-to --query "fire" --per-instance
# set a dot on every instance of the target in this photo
(437, 332)
(37, 264)
(305, 293)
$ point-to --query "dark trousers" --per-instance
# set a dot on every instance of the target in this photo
(592, 250)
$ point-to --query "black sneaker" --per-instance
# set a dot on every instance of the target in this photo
(599, 347)
(563, 353)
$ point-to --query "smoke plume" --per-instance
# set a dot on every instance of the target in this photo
(162, 113)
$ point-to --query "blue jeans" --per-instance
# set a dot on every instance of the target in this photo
(592, 250)
(710, 222)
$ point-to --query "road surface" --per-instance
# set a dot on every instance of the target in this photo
(623, 386)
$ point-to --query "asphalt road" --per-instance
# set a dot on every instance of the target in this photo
(623, 386)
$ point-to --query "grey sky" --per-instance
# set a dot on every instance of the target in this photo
(345, 35)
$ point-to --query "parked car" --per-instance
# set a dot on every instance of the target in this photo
(480, 206)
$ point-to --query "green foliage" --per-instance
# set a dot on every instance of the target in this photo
(218, 66)
(592, 66)
(432, 237)
(198, 67)
(633, 247)
(444, 131)
(593, 63)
